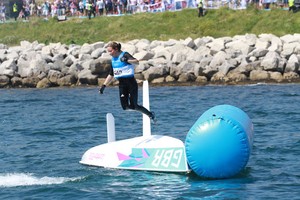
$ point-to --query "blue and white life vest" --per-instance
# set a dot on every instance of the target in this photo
(122, 69)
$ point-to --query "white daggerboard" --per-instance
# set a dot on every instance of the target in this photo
(146, 104)
(147, 152)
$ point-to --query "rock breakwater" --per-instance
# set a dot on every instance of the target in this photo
(228, 60)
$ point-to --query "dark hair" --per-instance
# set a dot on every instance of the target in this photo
(115, 46)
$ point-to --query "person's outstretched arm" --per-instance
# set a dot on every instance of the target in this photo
(106, 82)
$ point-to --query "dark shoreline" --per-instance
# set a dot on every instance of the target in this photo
(174, 84)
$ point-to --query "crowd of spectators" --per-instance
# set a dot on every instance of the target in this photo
(81, 8)
(88, 8)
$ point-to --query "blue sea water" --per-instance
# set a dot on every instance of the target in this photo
(44, 133)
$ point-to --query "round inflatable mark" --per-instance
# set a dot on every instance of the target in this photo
(219, 144)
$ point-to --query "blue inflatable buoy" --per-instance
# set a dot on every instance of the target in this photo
(219, 144)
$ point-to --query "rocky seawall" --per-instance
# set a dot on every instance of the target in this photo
(240, 59)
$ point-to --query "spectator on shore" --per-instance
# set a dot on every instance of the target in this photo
(285, 3)
(141, 5)
(15, 11)
(2, 13)
(115, 6)
(93, 9)
(73, 8)
(61, 8)
(108, 7)
(84, 7)
(26, 11)
(21, 14)
(88, 7)
(266, 4)
(53, 9)
(292, 6)
(133, 4)
(32, 8)
(200, 8)
(124, 6)
(100, 5)
(81, 7)
(39, 10)
(45, 9)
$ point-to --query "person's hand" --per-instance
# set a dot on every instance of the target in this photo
(101, 90)
(124, 59)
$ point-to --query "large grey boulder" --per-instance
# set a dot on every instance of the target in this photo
(3, 46)
(130, 48)
(54, 75)
(186, 77)
(288, 49)
(189, 42)
(276, 76)
(16, 81)
(85, 77)
(203, 41)
(97, 53)
(217, 60)
(8, 68)
(142, 66)
(74, 51)
(100, 66)
(143, 55)
(143, 45)
(199, 54)
(290, 76)
(67, 80)
(239, 46)
(69, 60)
(74, 69)
(155, 72)
(44, 83)
(292, 64)
(161, 52)
(271, 62)
(30, 82)
(289, 38)
(216, 46)
(183, 68)
(236, 77)
(3, 55)
(4, 81)
(14, 55)
(259, 75)
(86, 49)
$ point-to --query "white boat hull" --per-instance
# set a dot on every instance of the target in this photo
(151, 153)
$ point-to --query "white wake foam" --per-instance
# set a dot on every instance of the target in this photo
(24, 179)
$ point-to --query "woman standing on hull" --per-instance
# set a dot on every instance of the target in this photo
(123, 70)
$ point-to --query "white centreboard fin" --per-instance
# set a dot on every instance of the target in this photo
(146, 104)
(110, 125)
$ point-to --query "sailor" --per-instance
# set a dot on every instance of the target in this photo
(123, 70)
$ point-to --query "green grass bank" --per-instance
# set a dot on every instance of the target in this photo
(152, 26)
